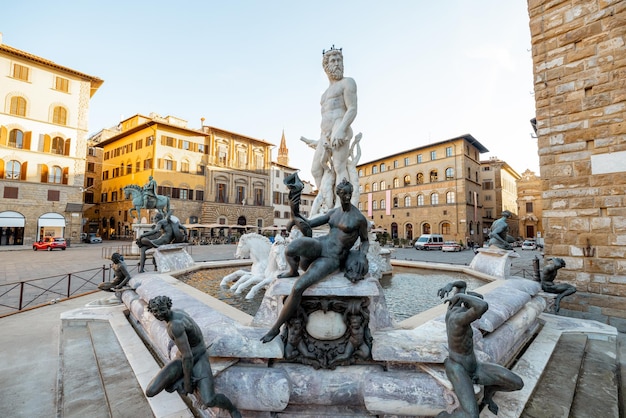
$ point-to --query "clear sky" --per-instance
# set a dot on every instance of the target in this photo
(426, 71)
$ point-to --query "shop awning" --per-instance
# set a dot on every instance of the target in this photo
(11, 219)
(51, 219)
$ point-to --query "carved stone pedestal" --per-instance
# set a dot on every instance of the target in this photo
(494, 261)
(334, 323)
(171, 257)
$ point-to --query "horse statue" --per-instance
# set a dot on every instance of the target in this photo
(162, 203)
(265, 265)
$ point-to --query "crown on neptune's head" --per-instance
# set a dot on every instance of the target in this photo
(332, 48)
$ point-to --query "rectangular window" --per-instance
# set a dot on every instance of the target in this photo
(258, 197)
(175, 193)
(139, 144)
(241, 194)
(277, 214)
(184, 167)
(488, 185)
(105, 175)
(137, 166)
(168, 141)
(184, 194)
(406, 161)
(383, 168)
(20, 72)
(61, 84)
(89, 197)
(200, 195)
(113, 196)
(395, 163)
(129, 169)
(91, 167)
(10, 192)
(54, 195)
(103, 197)
(107, 155)
(529, 207)
(201, 148)
(448, 151)
(149, 141)
(433, 155)
(147, 164)
(200, 170)
(277, 198)
(221, 196)
(419, 158)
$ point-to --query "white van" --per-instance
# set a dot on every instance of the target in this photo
(429, 242)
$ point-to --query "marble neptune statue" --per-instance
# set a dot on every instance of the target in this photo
(332, 158)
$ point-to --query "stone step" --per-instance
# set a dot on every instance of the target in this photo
(555, 390)
(597, 389)
(95, 377)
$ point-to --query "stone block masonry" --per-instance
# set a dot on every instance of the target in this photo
(579, 65)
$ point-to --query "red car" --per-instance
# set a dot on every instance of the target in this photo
(50, 244)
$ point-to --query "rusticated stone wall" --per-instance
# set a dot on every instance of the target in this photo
(579, 64)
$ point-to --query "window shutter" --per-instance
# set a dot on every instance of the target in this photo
(43, 169)
(4, 135)
(68, 143)
(23, 171)
(46, 143)
(65, 175)
(160, 163)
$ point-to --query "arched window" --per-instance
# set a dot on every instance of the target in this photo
(16, 139)
(407, 201)
(420, 178)
(383, 185)
(407, 180)
(395, 202)
(396, 182)
(55, 175)
(58, 145)
(434, 199)
(374, 187)
(360, 172)
(367, 188)
(59, 116)
(450, 197)
(375, 204)
(18, 106)
(360, 188)
(433, 176)
(445, 228)
(449, 173)
(420, 200)
(426, 229)
(13, 170)
(375, 169)
(383, 204)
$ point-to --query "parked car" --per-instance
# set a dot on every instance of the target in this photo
(92, 238)
(50, 243)
(529, 245)
(450, 246)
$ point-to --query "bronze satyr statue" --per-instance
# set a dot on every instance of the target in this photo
(166, 230)
(462, 367)
(319, 257)
(498, 235)
(191, 369)
(120, 272)
(548, 274)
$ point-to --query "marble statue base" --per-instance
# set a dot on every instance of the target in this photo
(171, 257)
(493, 261)
(139, 229)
